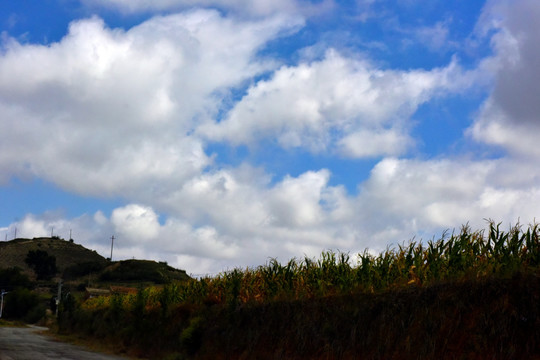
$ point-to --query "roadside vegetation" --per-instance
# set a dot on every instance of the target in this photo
(472, 294)
(30, 271)
(19, 301)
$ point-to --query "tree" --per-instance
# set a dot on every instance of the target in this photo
(12, 278)
(43, 264)
(23, 304)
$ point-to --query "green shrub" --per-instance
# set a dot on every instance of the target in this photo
(43, 264)
(35, 314)
(83, 269)
(191, 336)
(20, 303)
(12, 278)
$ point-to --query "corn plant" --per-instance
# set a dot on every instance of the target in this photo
(467, 254)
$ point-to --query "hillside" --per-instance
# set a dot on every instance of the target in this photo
(139, 271)
(75, 263)
(13, 253)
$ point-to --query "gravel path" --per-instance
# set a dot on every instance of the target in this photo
(17, 343)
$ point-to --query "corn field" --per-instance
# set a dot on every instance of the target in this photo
(465, 255)
(473, 293)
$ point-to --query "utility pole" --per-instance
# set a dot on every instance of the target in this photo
(2, 293)
(112, 244)
(15, 233)
(52, 231)
(58, 296)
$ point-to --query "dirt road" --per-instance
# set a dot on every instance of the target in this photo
(27, 344)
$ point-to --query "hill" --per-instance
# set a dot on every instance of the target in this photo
(67, 253)
(75, 263)
(129, 271)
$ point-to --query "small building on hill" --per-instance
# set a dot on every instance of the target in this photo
(93, 292)
(123, 290)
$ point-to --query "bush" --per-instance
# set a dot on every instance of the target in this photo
(12, 278)
(191, 336)
(35, 314)
(23, 304)
(43, 264)
(83, 269)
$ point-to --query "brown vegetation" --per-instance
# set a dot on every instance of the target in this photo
(469, 295)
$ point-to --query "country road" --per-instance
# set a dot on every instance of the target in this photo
(18, 343)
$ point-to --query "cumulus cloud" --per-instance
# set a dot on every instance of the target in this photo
(242, 206)
(220, 219)
(257, 8)
(510, 117)
(130, 113)
(395, 186)
(136, 223)
(223, 219)
(108, 112)
(366, 143)
(496, 127)
(406, 197)
(32, 225)
(338, 104)
(518, 80)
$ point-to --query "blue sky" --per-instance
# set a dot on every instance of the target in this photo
(216, 134)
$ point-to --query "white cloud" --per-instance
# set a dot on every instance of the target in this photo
(242, 205)
(295, 202)
(435, 37)
(444, 193)
(235, 217)
(230, 220)
(407, 190)
(334, 103)
(111, 112)
(305, 215)
(495, 127)
(510, 117)
(373, 143)
(256, 8)
(135, 223)
(31, 226)
(95, 111)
